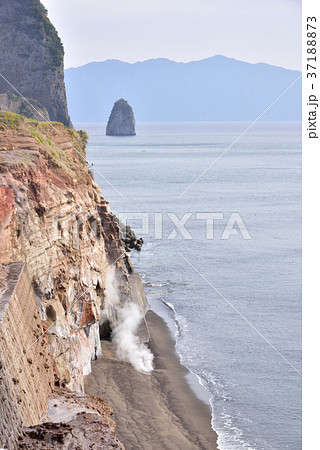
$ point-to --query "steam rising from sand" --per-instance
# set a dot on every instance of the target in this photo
(128, 346)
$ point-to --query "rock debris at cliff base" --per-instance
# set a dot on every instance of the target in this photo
(73, 421)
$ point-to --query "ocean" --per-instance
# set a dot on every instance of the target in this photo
(222, 262)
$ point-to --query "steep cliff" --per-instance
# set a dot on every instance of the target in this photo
(26, 369)
(53, 218)
(121, 121)
(31, 56)
(27, 107)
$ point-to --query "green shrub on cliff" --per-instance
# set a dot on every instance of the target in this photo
(10, 120)
(35, 23)
(36, 135)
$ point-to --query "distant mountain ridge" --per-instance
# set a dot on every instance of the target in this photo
(161, 90)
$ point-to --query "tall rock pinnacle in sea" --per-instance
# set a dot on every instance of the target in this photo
(121, 121)
(31, 57)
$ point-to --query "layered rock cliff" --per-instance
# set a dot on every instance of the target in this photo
(31, 56)
(121, 121)
(53, 219)
(64, 271)
(26, 369)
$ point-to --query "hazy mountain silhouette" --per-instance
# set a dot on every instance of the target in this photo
(213, 89)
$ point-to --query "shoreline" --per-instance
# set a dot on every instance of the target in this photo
(167, 313)
(158, 410)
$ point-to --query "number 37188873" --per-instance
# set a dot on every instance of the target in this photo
(311, 47)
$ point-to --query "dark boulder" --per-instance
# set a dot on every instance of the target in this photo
(128, 237)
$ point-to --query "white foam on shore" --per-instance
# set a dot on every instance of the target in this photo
(180, 322)
(200, 388)
(181, 328)
(178, 326)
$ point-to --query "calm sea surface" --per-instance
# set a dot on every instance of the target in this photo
(236, 302)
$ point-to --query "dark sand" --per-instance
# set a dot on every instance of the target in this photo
(157, 411)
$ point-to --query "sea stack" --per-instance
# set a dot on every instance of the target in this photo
(121, 121)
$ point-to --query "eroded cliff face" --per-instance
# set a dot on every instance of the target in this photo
(73, 421)
(31, 56)
(26, 367)
(53, 218)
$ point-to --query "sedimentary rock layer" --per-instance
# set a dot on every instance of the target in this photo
(53, 218)
(26, 368)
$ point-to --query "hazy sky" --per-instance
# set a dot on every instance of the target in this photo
(181, 30)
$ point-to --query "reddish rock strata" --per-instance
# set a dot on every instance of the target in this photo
(55, 224)
(53, 218)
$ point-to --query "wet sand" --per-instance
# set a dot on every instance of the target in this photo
(153, 411)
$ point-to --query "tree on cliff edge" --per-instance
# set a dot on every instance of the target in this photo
(31, 56)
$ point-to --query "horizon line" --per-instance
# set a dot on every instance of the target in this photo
(180, 62)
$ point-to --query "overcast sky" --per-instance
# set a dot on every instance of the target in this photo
(182, 30)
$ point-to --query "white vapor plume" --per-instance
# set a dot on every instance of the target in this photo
(128, 346)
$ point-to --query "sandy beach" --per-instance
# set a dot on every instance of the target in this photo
(157, 411)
